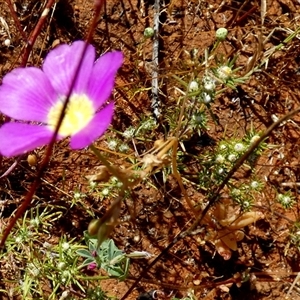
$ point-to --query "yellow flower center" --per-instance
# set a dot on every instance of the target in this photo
(78, 114)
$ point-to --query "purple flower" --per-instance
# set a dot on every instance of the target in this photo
(33, 95)
(92, 266)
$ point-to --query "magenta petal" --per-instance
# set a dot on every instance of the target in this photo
(92, 266)
(26, 94)
(18, 138)
(94, 129)
(61, 64)
(103, 77)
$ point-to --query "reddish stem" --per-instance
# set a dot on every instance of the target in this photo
(98, 6)
(250, 11)
(33, 36)
(16, 20)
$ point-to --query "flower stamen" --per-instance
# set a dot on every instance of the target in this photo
(79, 113)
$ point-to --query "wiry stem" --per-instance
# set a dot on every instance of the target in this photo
(98, 5)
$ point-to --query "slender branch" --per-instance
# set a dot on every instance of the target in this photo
(98, 5)
(33, 36)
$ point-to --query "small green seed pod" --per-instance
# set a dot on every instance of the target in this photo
(221, 34)
(148, 32)
(61, 265)
(193, 86)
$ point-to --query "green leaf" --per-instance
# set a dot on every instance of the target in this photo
(87, 262)
(84, 253)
